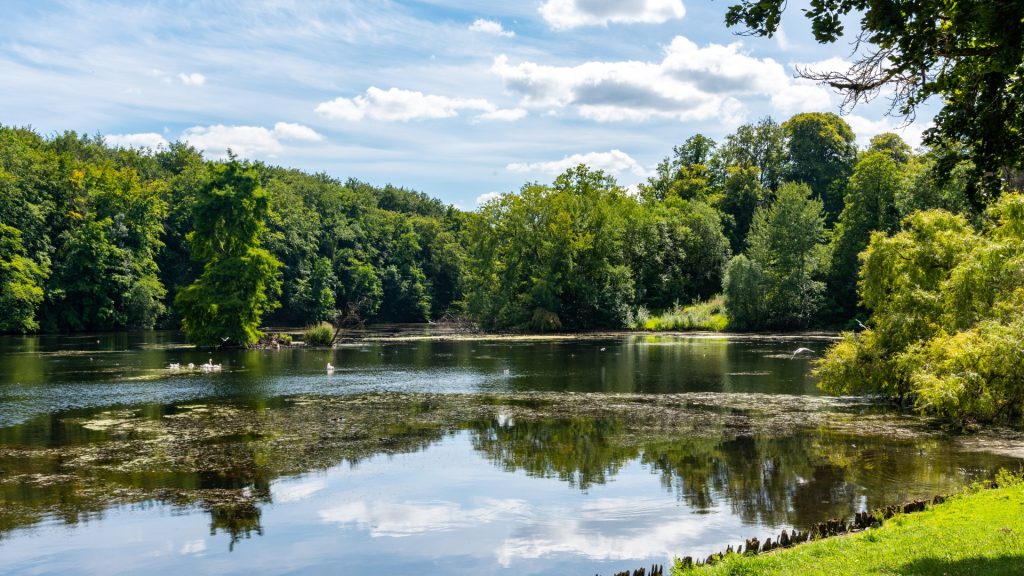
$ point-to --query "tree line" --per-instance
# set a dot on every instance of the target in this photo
(790, 225)
(94, 237)
(102, 238)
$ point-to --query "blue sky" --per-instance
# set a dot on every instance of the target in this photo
(458, 99)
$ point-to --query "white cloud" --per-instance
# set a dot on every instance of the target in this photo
(247, 141)
(613, 162)
(781, 39)
(161, 75)
(398, 105)
(193, 79)
(690, 83)
(580, 535)
(399, 519)
(487, 197)
(866, 128)
(289, 492)
(193, 547)
(802, 96)
(289, 131)
(566, 14)
(490, 27)
(832, 64)
(503, 115)
(140, 140)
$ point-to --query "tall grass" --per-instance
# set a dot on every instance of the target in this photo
(320, 335)
(708, 315)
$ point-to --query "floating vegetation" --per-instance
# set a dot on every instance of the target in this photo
(223, 456)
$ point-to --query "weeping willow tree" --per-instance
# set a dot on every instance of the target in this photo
(946, 321)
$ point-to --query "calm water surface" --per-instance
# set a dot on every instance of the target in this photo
(549, 494)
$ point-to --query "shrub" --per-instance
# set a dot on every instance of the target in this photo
(320, 335)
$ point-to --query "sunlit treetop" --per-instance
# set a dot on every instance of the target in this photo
(968, 53)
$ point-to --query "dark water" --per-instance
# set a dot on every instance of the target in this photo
(44, 374)
(245, 479)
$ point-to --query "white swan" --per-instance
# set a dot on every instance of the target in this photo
(174, 366)
(330, 368)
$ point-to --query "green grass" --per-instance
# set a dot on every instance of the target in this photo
(979, 532)
(320, 335)
(709, 315)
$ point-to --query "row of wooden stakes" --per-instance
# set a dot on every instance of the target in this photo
(832, 527)
(656, 570)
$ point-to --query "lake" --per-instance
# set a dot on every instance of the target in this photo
(437, 456)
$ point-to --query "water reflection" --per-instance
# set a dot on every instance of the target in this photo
(41, 374)
(539, 489)
(459, 467)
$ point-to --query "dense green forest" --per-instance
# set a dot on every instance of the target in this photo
(778, 226)
(773, 217)
(101, 238)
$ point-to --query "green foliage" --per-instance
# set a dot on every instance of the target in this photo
(870, 205)
(744, 297)
(676, 251)
(968, 53)
(282, 337)
(742, 196)
(109, 236)
(946, 308)
(320, 335)
(974, 374)
(552, 256)
(777, 283)
(893, 146)
(684, 175)
(708, 315)
(761, 147)
(239, 283)
(985, 525)
(822, 152)
(20, 278)
(314, 294)
(105, 274)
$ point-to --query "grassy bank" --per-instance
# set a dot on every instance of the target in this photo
(709, 315)
(977, 532)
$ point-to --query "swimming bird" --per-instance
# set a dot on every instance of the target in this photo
(330, 368)
(603, 349)
(210, 366)
(174, 366)
(191, 366)
(801, 351)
